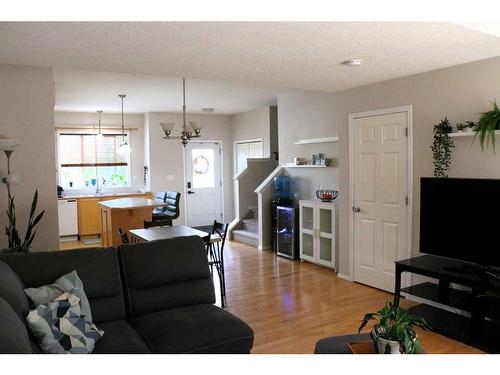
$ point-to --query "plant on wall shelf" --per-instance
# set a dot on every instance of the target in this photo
(487, 124)
(442, 146)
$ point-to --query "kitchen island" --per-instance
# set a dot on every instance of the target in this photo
(125, 213)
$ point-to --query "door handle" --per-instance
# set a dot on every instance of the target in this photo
(190, 192)
(356, 209)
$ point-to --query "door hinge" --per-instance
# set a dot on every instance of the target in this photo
(220, 183)
(406, 131)
(406, 201)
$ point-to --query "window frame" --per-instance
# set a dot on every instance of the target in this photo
(235, 154)
(79, 131)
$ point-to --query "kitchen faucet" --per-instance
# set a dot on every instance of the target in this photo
(98, 188)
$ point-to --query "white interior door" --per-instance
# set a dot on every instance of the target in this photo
(203, 183)
(380, 178)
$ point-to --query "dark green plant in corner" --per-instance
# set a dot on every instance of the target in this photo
(395, 323)
(16, 244)
(442, 146)
(487, 124)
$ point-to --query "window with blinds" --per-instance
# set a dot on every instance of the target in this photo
(83, 158)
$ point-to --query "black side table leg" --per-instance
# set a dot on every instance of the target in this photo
(397, 287)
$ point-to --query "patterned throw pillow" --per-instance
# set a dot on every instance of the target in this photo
(60, 327)
(66, 283)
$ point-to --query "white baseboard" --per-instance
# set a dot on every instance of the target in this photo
(344, 276)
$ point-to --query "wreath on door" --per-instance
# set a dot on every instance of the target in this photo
(200, 164)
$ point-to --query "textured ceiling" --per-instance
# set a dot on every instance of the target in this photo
(88, 91)
(301, 55)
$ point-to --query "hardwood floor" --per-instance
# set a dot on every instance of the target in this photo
(291, 305)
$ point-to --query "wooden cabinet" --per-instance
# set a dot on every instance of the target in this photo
(89, 212)
(317, 223)
(89, 216)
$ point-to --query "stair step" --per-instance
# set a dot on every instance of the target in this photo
(245, 236)
(252, 225)
(255, 211)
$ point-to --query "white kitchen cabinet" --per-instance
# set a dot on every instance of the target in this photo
(317, 232)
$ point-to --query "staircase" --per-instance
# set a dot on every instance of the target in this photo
(248, 232)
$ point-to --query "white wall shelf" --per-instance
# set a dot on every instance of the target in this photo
(292, 165)
(467, 134)
(316, 140)
(462, 134)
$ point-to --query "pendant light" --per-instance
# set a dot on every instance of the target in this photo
(99, 134)
(186, 134)
(124, 147)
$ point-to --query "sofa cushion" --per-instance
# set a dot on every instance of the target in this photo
(201, 328)
(60, 326)
(165, 274)
(13, 334)
(12, 290)
(98, 269)
(120, 338)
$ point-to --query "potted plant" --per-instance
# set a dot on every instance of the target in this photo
(487, 124)
(470, 126)
(442, 146)
(394, 329)
(16, 243)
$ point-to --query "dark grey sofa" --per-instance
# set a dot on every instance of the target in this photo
(154, 297)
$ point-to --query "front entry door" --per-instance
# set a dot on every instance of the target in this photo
(380, 175)
(203, 183)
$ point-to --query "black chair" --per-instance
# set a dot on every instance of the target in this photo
(216, 256)
(123, 236)
(171, 211)
(157, 223)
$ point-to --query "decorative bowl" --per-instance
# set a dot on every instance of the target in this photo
(327, 195)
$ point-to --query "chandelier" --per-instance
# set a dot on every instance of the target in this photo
(124, 147)
(186, 133)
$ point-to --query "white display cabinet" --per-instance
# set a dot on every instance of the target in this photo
(317, 232)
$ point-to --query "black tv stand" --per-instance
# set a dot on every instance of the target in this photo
(481, 271)
(452, 312)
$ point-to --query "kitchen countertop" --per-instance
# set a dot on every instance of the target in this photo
(104, 195)
(132, 203)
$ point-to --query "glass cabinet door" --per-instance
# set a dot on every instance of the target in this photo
(326, 238)
(307, 217)
(307, 246)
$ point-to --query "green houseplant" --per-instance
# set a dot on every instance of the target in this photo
(487, 124)
(16, 243)
(393, 331)
(442, 146)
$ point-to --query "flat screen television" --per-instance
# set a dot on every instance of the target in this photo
(460, 219)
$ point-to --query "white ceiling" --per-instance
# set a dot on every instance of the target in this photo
(301, 55)
(88, 91)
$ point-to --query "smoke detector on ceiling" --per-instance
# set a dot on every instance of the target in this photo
(208, 110)
(352, 62)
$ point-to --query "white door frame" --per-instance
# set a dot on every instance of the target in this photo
(352, 116)
(235, 162)
(221, 176)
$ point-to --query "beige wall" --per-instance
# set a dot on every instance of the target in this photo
(87, 120)
(308, 114)
(166, 157)
(254, 124)
(459, 92)
(27, 113)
